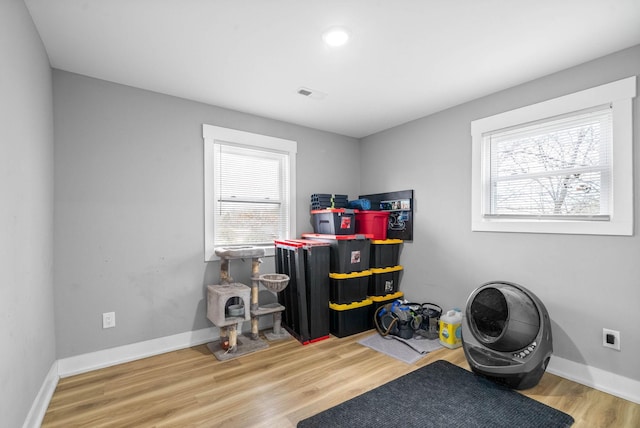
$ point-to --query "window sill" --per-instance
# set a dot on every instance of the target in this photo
(269, 251)
(615, 226)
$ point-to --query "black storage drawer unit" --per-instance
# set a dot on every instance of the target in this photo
(306, 298)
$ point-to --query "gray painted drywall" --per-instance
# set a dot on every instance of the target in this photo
(128, 229)
(586, 282)
(26, 214)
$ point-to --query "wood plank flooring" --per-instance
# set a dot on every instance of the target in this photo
(274, 387)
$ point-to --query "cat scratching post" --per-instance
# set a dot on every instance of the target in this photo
(228, 315)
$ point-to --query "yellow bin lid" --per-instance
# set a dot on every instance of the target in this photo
(386, 241)
(393, 296)
(350, 275)
(347, 306)
(386, 270)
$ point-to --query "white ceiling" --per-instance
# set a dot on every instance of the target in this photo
(406, 58)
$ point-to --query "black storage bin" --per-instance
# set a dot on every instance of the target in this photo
(306, 298)
(384, 281)
(334, 221)
(349, 253)
(351, 318)
(385, 253)
(349, 287)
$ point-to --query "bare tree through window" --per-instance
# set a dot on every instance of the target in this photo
(558, 169)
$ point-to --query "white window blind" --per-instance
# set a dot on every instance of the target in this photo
(556, 168)
(251, 205)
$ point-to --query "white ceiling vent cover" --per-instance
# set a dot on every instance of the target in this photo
(311, 93)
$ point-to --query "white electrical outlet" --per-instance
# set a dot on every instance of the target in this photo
(611, 338)
(108, 320)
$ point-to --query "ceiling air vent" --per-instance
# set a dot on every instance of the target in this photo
(311, 93)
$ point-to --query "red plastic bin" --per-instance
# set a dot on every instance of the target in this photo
(374, 223)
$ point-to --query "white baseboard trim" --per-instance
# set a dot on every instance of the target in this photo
(110, 357)
(599, 379)
(41, 402)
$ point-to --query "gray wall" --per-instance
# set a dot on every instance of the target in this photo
(129, 208)
(586, 282)
(26, 214)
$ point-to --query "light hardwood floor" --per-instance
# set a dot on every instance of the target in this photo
(274, 387)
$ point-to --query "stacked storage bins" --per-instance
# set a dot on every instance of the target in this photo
(306, 314)
(349, 308)
(385, 270)
(384, 282)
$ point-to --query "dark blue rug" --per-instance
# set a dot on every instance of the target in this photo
(440, 395)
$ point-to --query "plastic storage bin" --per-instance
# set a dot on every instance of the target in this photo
(374, 223)
(351, 318)
(306, 314)
(334, 221)
(385, 253)
(349, 253)
(384, 280)
(349, 287)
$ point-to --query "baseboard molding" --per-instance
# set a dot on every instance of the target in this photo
(595, 378)
(110, 357)
(41, 402)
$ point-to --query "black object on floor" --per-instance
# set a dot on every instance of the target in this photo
(506, 334)
(440, 395)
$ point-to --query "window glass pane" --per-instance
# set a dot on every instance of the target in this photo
(556, 167)
(248, 223)
(252, 204)
(574, 194)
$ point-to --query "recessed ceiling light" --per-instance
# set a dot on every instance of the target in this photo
(335, 36)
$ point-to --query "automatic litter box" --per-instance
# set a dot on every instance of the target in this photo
(506, 334)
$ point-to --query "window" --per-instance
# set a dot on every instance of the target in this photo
(560, 166)
(249, 182)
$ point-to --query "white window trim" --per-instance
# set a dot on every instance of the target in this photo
(620, 94)
(211, 134)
